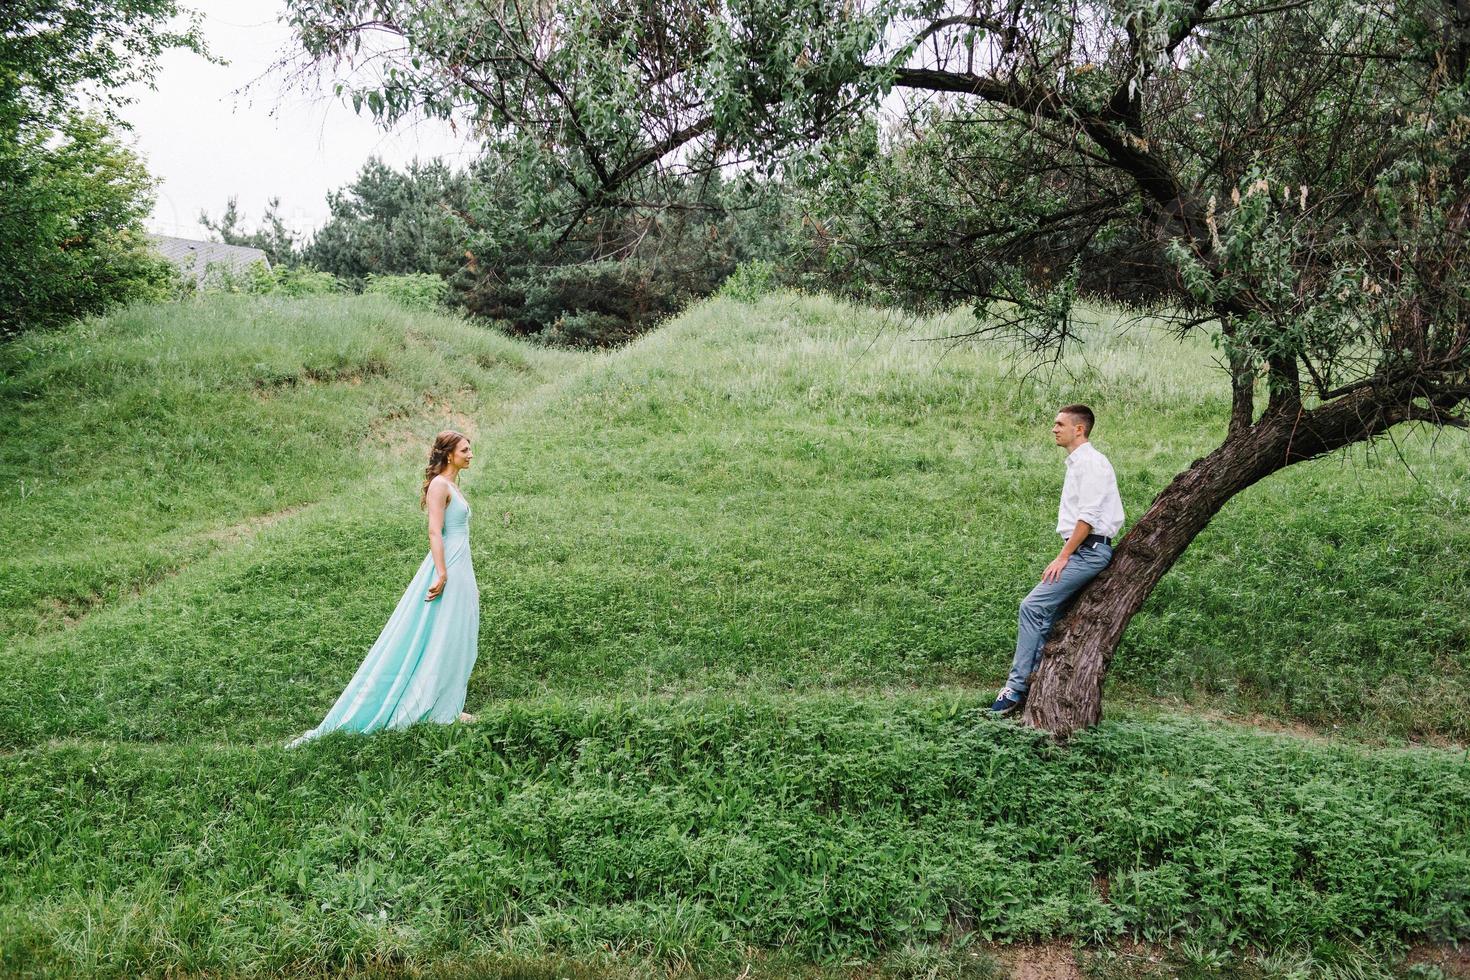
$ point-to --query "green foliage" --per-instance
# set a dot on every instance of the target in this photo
(389, 222)
(71, 229)
(416, 290)
(55, 52)
(272, 236)
(827, 826)
(260, 279)
(750, 281)
(303, 281)
(922, 960)
(885, 201)
(74, 197)
(593, 304)
(497, 245)
(619, 274)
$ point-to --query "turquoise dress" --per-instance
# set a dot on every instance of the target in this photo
(420, 666)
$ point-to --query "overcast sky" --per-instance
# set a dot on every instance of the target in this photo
(206, 139)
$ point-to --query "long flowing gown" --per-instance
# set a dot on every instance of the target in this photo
(420, 665)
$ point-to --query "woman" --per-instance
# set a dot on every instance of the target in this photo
(420, 665)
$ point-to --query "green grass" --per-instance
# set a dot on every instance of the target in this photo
(139, 443)
(746, 585)
(824, 825)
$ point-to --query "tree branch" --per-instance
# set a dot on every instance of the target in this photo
(983, 23)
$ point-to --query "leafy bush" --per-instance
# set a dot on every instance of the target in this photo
(220, 277)
(750, 281)
(72, 197)
(416, 290)
(303, 280)
(595, 303)
(496, 233)
(587, 329)
(71, 226)
(261, 280)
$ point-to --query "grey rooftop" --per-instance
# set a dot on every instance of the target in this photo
(196, 257)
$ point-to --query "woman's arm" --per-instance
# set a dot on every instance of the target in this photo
(438, 500)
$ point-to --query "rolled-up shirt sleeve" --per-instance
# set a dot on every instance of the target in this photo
(1090, 494)
(1096, 488)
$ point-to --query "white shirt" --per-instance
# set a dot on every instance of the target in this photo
(1090, 493)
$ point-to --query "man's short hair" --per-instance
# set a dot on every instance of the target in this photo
(1082, 414)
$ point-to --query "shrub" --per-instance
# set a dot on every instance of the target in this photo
(302, 280)
(594, 303)
(261, 280)
(587, 329)
(499, 245)
(750, 281)
(71, 235)
(417, 290)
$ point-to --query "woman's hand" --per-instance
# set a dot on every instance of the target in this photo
(436, 588)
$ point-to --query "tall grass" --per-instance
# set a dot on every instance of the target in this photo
(747, 585)
(140, 442)
(788, 495)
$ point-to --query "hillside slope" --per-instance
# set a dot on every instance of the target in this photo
(747, 587)
(137, 443)
(792, 496)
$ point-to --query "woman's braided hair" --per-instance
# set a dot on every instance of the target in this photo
(439, 452)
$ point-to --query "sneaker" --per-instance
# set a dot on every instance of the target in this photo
(1006, 702)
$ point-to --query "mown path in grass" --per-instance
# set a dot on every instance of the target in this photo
(747, 585)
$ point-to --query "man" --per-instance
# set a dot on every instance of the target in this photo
(1090, 516)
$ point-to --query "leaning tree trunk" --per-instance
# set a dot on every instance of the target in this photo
(1067, 691)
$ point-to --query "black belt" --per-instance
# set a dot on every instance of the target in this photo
(1093, 539)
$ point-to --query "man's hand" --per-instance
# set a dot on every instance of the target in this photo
(1054, 570)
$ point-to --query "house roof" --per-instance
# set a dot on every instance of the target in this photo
(196, 257)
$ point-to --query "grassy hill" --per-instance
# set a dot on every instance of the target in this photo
(747, 586)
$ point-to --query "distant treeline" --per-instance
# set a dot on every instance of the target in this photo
(595, 280)
(518, 237)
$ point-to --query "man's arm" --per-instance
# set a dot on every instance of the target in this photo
(1095, 484)
(1079, 535)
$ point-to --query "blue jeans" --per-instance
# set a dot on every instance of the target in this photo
(1039, 610)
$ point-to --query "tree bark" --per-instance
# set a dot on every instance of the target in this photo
(1066, 694)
